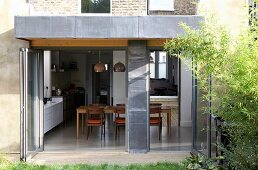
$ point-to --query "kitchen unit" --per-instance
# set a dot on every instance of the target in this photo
(53, 113)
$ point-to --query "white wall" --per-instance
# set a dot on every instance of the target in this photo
(47, 74)
(119, 79)
(186, 96)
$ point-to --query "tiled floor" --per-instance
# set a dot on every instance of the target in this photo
(63, 139)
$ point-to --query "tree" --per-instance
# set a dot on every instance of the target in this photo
(232, 63)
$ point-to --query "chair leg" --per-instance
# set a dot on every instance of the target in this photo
(116, 132)
(160, 130)
(101, 129)
(104, 129)
(88, 129)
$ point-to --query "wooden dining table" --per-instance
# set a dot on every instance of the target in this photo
(112, 109)
(84, 110)
(169, 111)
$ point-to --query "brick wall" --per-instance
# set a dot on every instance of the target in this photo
(55, 7)
(182, 7)
(129, 7)
(119, 7)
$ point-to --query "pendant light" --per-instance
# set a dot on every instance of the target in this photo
(99, 67)
(119, 67)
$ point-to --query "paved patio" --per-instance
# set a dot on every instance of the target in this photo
(120, 158)
(103, 157)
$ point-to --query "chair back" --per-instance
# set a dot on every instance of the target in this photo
(120, 108)
(155, 108)
(95, 110)
(98, 104)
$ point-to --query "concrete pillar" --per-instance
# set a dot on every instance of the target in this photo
(138, 99)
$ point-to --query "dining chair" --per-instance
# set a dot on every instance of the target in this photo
(155, 116)
(95, 117)
(119, 121)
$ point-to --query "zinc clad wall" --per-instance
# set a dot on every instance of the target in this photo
(9, 75)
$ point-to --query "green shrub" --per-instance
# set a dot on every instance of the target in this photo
(200, 162)
(232, 63)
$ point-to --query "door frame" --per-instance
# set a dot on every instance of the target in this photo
(24, 70)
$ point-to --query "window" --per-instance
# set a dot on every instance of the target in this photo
(161, 5)
(164, 74)
(95, 6)
(158, 64)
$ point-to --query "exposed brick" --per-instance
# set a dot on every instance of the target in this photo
(119, 7)
(182, 7)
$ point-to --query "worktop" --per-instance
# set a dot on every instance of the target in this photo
(53, 113)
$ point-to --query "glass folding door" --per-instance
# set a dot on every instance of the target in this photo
(31, 102)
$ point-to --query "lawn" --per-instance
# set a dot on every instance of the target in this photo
(7, 165)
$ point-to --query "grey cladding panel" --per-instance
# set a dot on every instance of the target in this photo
(101, 26)
(164, 26)
(63, 27)
(137, 137)
(124, 27)
(90, 27)
(45, 27)
(138, 117)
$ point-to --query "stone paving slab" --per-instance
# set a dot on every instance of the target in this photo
(120, 158)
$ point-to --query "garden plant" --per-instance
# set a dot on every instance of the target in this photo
(226, 69)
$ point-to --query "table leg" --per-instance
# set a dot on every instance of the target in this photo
(82, 122)
(169, 122)
(77, 124)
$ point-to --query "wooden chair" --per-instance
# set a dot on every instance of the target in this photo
(155, 117)
(119, 121)
(95, 117)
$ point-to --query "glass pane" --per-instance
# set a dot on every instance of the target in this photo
(95, 6)
(213, 137)
(161, 5)
(201, 124)
(32, 103)
(162, 64)
(152, 65)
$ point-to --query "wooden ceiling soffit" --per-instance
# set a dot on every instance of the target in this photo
(91, 42)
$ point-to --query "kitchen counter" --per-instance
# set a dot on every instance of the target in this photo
(55, 100)
(165, 100)
(53, 113)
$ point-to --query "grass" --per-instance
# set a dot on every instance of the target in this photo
(7, 165)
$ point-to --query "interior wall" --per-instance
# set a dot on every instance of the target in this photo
(64, 79)
(47, 74)
(119, 79)
(9, 77)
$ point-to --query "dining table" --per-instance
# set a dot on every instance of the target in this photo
(82, 110)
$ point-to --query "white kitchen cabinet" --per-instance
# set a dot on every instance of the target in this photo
(53, 114)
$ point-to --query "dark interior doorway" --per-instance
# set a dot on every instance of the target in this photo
(101, 86)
